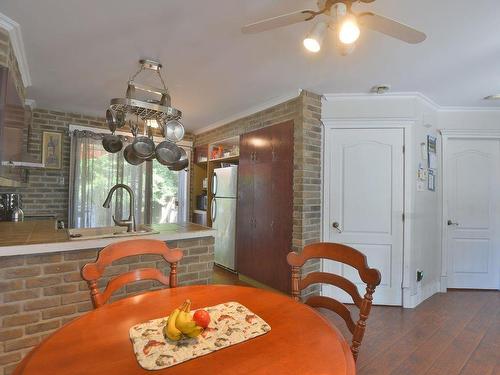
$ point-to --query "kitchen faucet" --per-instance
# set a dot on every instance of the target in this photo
(130, 222)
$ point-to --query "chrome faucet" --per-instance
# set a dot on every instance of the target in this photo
(130, 222)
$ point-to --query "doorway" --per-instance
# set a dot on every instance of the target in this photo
(364, 205)
(471, 212)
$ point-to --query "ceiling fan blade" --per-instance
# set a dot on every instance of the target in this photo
(279, 21)
(390, 27)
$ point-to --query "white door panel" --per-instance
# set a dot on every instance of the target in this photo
(472, 195)
(366, 197)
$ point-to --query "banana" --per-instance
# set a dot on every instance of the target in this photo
(170, 329)
(195, 332)
(184, 322)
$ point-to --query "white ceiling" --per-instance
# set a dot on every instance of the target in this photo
(81, 53)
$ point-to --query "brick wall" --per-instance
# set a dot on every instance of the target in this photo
(305, 111)
(40, 293)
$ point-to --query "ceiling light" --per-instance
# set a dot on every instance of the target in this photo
(314, 39)
(349, 30)
(492, 97)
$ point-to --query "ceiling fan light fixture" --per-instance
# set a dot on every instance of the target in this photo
(349, 30)
(313, 41)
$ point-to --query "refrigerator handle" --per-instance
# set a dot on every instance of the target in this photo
(214, 184)
(214, 209)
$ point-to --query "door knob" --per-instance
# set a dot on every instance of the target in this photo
(452, 223)
(336, 226)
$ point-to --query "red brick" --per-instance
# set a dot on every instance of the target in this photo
(43, 281)
(81, 254)
(17, 273)
(9, 358)
(20, 295)
(26, 342)
(9, 309)
(85, 306)
(58, 311)
(7, 286)
(13, 261)
(72, 277)
(59, 289)
(20, 320)
(44, 258)
(42, 327)
(75, 297)
(59, 268)
(10, 334)
(41, 303)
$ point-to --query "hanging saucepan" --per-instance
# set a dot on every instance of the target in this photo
(111, 142)
(116, 119)
(128, 153)
(182, 163)
(144, 146)
(168, 153)
(130, 156)
(173, 131)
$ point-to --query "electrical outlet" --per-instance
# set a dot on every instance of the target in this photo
(420, 275)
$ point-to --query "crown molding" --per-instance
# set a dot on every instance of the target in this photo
(470, 133)
(404, 94)
(411, 94)
(250, 111)
(16, 40)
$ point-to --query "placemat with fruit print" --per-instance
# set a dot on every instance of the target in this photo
(230, 324)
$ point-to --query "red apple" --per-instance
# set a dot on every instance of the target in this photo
(202, 318)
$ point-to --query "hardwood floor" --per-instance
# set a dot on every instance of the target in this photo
(450, 333)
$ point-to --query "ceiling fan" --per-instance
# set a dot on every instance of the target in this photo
(343, 21)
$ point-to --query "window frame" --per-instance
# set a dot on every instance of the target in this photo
(186, 145)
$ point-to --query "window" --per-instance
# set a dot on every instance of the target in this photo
(160, 194)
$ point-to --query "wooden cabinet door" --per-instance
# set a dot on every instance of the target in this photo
(265, 191)
(244, 210)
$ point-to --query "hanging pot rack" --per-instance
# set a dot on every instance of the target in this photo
(161, 110)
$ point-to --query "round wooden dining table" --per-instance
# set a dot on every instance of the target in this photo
(301, 341)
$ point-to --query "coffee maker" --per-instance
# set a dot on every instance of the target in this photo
(11, 207)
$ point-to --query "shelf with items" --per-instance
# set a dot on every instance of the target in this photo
(224, 149)
(207, 157)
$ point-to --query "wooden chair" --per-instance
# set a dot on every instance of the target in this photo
(343, 254)
(91, 272)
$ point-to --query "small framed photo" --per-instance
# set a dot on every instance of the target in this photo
(52, 150)
(431, 180)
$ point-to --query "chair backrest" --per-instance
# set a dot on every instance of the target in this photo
(343, 254)
(91, 272)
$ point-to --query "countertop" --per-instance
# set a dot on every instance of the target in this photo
(37, 237)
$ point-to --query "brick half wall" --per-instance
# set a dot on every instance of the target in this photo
(41, 293)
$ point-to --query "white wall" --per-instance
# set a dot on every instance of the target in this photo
(469, 119)
(423, 249)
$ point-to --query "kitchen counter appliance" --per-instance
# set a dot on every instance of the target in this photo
(11, 207)
(224, 188)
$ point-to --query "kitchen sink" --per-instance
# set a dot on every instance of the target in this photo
(76, 234)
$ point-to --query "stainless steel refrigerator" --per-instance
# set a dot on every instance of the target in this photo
(224, 189)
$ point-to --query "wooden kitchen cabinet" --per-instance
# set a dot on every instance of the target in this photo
(265, 205)
(12, 119)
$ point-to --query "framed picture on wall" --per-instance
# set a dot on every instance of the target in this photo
(52, 150)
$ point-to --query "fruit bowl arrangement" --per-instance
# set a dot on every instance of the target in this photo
(180, 322)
